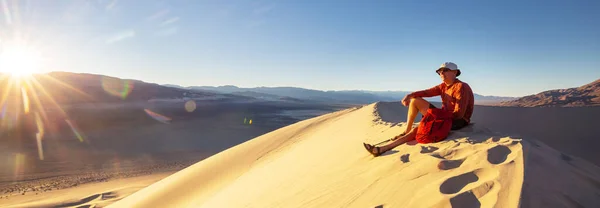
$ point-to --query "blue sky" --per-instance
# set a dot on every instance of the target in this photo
(504, 48)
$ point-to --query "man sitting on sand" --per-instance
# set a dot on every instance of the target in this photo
(456, 95)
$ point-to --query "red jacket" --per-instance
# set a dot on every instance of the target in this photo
(457, 98)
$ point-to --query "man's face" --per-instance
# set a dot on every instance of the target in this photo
(447, 74)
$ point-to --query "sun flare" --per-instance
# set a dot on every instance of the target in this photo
(19, 60)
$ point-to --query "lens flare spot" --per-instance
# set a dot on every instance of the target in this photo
(190, 106)
(25, 100)
(158, 117)
(38, 137)
(250, 122)
(39, 124)
(75, 131)
(117, 87)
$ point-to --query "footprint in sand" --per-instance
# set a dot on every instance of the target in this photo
(478, 177)
(450, 164)
(471, 187)
(404, 158)
(456, 154)
(455, 184)
(467, 199)
(498, 154)
(428, 149)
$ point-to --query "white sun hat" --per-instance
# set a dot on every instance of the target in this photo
(451, 66)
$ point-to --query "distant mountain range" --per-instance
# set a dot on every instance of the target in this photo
(68, 88)
(344, 96)
(586, 95)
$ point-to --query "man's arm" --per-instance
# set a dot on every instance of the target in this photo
(434, 91)
(462, 101)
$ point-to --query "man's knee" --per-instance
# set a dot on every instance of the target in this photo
(417, 100)
(420, 102)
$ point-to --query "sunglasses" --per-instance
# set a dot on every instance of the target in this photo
(442, 70)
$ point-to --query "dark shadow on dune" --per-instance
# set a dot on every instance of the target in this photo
(411, 143)
(556, 127)
(404, 158)
(571, 202)
(467, 200)
(564, 157)
(428, 149)
(82, 201)
(450, 164)
(455, 184)
(498, 154)
(109, 195)
(389, 152)
(436, 155)
(587, 177)
(533, 142)
(379, 206)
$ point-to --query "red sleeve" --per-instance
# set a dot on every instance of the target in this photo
(462, 101)
(434, 91)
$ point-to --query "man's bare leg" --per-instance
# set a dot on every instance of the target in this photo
(400, 140)
(416, 105)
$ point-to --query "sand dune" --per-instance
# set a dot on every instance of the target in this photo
(320, 162)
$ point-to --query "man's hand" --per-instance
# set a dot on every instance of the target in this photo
(406, 100)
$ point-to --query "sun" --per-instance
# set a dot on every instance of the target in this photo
(19, 60)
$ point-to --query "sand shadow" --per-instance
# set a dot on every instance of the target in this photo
(455, 184)
(565, 157)
(533, 142)
(389, 152)
(379, 206)
(81, 201)
(109, 195)
(404, 158)
(412, 143)
(467, 199)
(428, 149)
(498, 154)
(450, 164)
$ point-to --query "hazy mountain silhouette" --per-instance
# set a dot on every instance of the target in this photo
(586, 95)
(344, 96)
